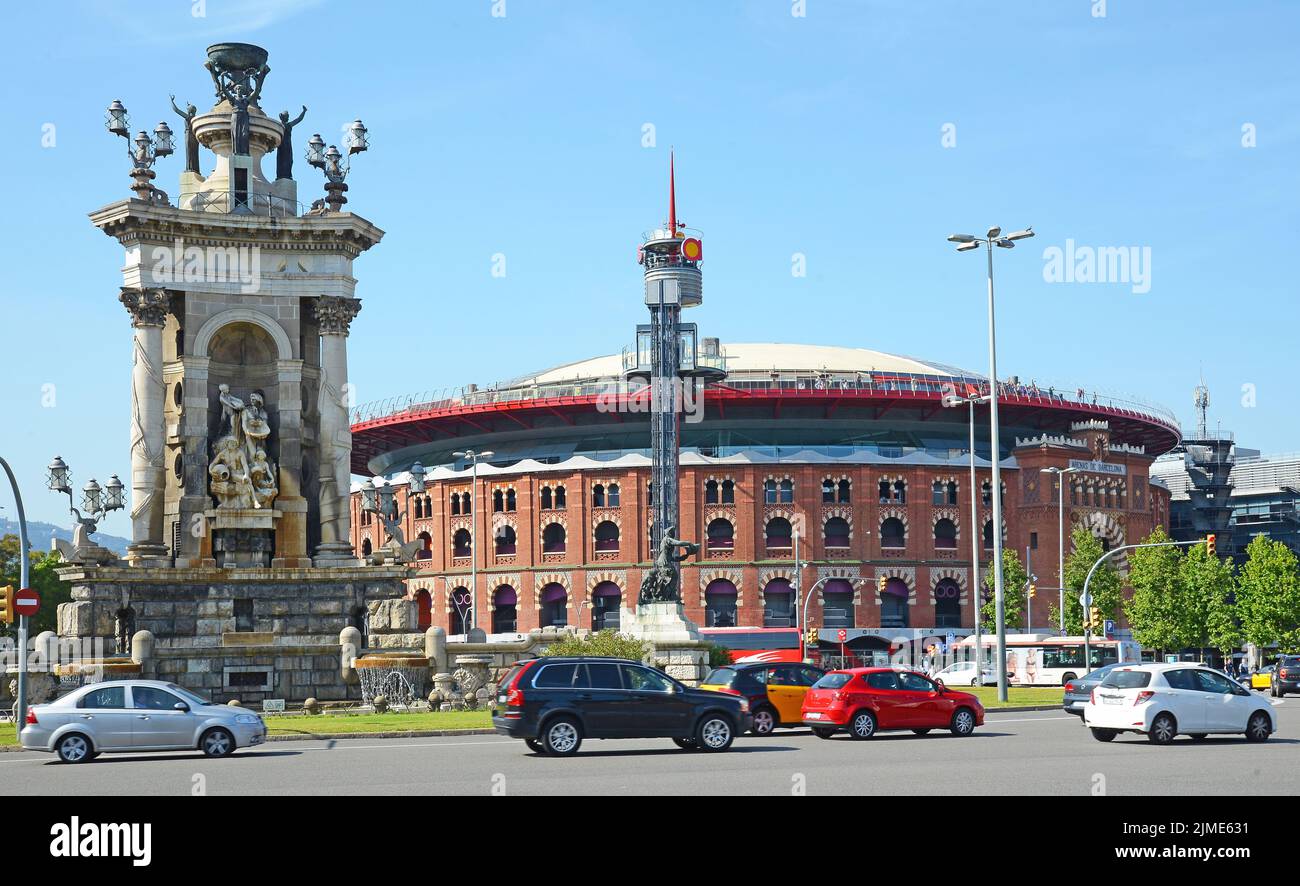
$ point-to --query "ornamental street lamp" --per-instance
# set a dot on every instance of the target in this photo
(473, 458)
(952, 401)
(334, 164)
(143, 150)
(97, 501)
(967, 242)
(381, 501)
(1060, 532)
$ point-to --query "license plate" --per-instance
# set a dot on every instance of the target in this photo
(1109, 700)
(501, 699)
(813, 716)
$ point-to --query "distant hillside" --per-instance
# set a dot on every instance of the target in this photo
(39, 534)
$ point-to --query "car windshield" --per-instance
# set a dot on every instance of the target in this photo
(832, 681)
(1126, 679)
(191, 697)
(720, 677)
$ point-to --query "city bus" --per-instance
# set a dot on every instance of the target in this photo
(756, 644)
(1048, 660)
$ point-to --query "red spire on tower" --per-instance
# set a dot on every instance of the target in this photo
(672, 196)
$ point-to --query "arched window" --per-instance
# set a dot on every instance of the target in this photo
(419, 508)
(952, 492)
(423, 609)
(728, 492)
(845, 488)
(505, 610)
(510, 499)
(836, 533)
(787, 492)
(711, 492)
(553, 539)
(606, 602)
(936, 493)
(769, 492)
(945, 534)
(461, 602)
(1074, 493)
(780, 534)
(828, 491)
(559, 498)
(460, 543)
(466, 503)
(546, 498)
(598, 496)
(607, 536)
(455, 503)
(365, 547)
(611, 496)
(505, 540)
(947, 604)
(893, 604)
(778, 604)
(892, 533)
(988, 535)
(900, 491)
(555, 605)
(837, 604)
(426, 546)
(720, 604)
(722, 535)
(498, 501)
(884, 492)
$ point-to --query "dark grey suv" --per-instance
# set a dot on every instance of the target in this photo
(1286, 676)
(554, 703)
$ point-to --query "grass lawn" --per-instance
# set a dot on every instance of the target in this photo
(1017, 696)
(8, 735)
(340, 724)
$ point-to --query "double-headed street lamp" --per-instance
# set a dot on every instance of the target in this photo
(473, 458)
(143, 150)
(967, 242)
(333, 163)
(952, 401)
(380, 500)
(96, 501)
(1060, 532)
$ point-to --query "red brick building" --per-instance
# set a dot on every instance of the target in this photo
(857, 457)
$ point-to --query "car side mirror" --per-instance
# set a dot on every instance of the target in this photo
(182, 707)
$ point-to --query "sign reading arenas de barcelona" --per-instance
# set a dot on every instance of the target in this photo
(808, 486)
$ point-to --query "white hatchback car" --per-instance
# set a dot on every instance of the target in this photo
(962, 673)
(1163, 700)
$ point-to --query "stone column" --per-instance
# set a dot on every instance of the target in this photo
(148, 308)
(334, 315)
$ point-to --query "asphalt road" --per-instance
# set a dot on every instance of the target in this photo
(1016, 753)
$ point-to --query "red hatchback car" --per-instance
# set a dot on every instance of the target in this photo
(864, 701)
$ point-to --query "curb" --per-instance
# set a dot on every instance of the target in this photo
(422, 733)
(1037, 707)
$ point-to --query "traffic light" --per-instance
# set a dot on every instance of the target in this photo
(1209, 545)
(1095, 621)
(7, 605)
(881, 582)
(812, 639)
(1033, 589)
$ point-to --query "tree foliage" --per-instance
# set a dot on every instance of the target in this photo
(1106, 587)
(1153, 610)
(1205, 601)
(1014, 578)
(1268, 595)
(607, 643)
(53, 591)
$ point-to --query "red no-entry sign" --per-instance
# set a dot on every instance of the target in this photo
(27, 602)
(843, 635)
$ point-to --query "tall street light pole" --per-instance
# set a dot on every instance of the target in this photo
(967, 242)
(1060, 534)
(24, 581)
(951, 401)
(473, 458)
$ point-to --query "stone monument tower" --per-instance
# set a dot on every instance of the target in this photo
(241, 304)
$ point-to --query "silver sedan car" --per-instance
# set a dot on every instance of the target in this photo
(121, 716)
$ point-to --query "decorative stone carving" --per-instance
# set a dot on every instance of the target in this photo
(335, 314)
(148, 307)
(241, 475)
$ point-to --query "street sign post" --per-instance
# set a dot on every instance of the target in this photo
(27, 602)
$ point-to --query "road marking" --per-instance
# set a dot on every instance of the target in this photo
(988, 719)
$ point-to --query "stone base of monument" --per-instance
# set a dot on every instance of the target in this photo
(248, 633)
(678, 648)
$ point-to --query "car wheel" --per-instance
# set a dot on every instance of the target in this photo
(534, 745)
(823, 732)
(863, 725)
(562, 737)
(921, 731)
(715, 733)
(1258, 727)
(764, 721)
(1198, 736)
(1104, 734)
(217, 743)
(686, 744)
(963, 722)
(1163, 729)
(74, 748)
(1067, 678)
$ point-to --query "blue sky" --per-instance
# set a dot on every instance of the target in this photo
(820, 135)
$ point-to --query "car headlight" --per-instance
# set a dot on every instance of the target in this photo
(248, 719)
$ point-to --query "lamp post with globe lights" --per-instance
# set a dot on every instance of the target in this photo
(965, 243)
(143, 150)
(334, 164)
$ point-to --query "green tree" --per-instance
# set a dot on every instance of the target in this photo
(1153, 610)
(1205, 601)
(1014, 579)
(1268, 595)
(53, 591)
(1106, 587)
